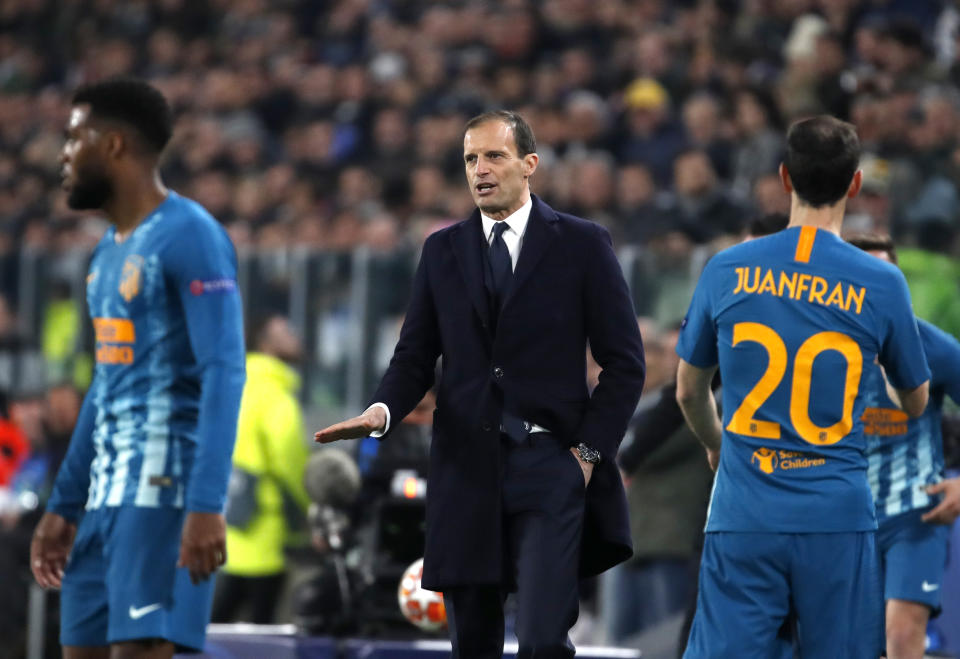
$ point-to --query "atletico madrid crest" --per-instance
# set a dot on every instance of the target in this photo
(131, 277)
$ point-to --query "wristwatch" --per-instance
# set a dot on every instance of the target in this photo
(588, 454)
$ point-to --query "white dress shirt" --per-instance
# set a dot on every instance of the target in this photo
(513, 237)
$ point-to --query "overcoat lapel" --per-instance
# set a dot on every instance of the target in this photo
(540, 233)
(467, 241)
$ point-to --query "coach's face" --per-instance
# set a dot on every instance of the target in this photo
(83, 172)
(498, 176)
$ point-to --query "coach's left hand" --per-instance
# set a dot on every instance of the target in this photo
(949, 508)
(203, 544)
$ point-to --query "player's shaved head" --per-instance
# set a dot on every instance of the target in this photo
(823, 154)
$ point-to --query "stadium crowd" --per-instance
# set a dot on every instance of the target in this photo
(337, 124)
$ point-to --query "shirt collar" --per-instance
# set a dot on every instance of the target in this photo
(517, 222)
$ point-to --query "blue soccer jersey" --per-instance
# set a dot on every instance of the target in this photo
(158, 424)
(794, 321)
(906, 455)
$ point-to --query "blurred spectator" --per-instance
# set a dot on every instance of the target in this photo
(705, 209)
(388, 155)
(644, 214)
(705, 131)
(653, 137)
(759, 146)
(593, 190)
(587, 119)
(835, 84)
(769, 195)
(904, 51)
(870, 211)
(267, 500)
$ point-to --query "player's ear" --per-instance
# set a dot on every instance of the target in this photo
(115, 144)
(785, 179)
(855, 184)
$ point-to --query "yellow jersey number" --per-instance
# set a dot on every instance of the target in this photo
(743, 422)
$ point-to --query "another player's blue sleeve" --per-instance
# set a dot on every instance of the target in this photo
(697, 344)
(202, 265)
(901, 350)
(943, 356)
(72, 485)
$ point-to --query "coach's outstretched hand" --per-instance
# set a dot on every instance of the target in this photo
(49, 549)
(203, 544)
(370, 421)
(949, 507)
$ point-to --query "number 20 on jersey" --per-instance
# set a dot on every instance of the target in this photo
(744, 421)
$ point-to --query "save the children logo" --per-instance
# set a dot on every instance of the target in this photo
(768, 461)
(765, 459)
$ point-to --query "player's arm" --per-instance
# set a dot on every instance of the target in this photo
(912, 401)
(944, 359)
(202, 267)
(901, 352)
(699, 360)
(699, 407)
(943, 355)
(71, 486)
(53, 537)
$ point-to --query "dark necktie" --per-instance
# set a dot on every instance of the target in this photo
(500, 264)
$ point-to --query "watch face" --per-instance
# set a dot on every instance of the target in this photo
(588, 454)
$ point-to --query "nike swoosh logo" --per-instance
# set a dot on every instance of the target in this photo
(136, 614)
(929, 587)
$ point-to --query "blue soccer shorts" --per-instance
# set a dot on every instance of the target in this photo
(913, 556)
(122, 582)
(750, 582)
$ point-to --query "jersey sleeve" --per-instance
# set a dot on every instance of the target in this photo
(901, 350)
(697, 344)
(72, 484)
(943, 357)
(201, 264)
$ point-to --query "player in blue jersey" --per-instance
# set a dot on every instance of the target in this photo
(134, 528)
(914, 502)
(793, 321)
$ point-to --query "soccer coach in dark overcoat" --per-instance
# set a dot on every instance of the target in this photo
(523, 490)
